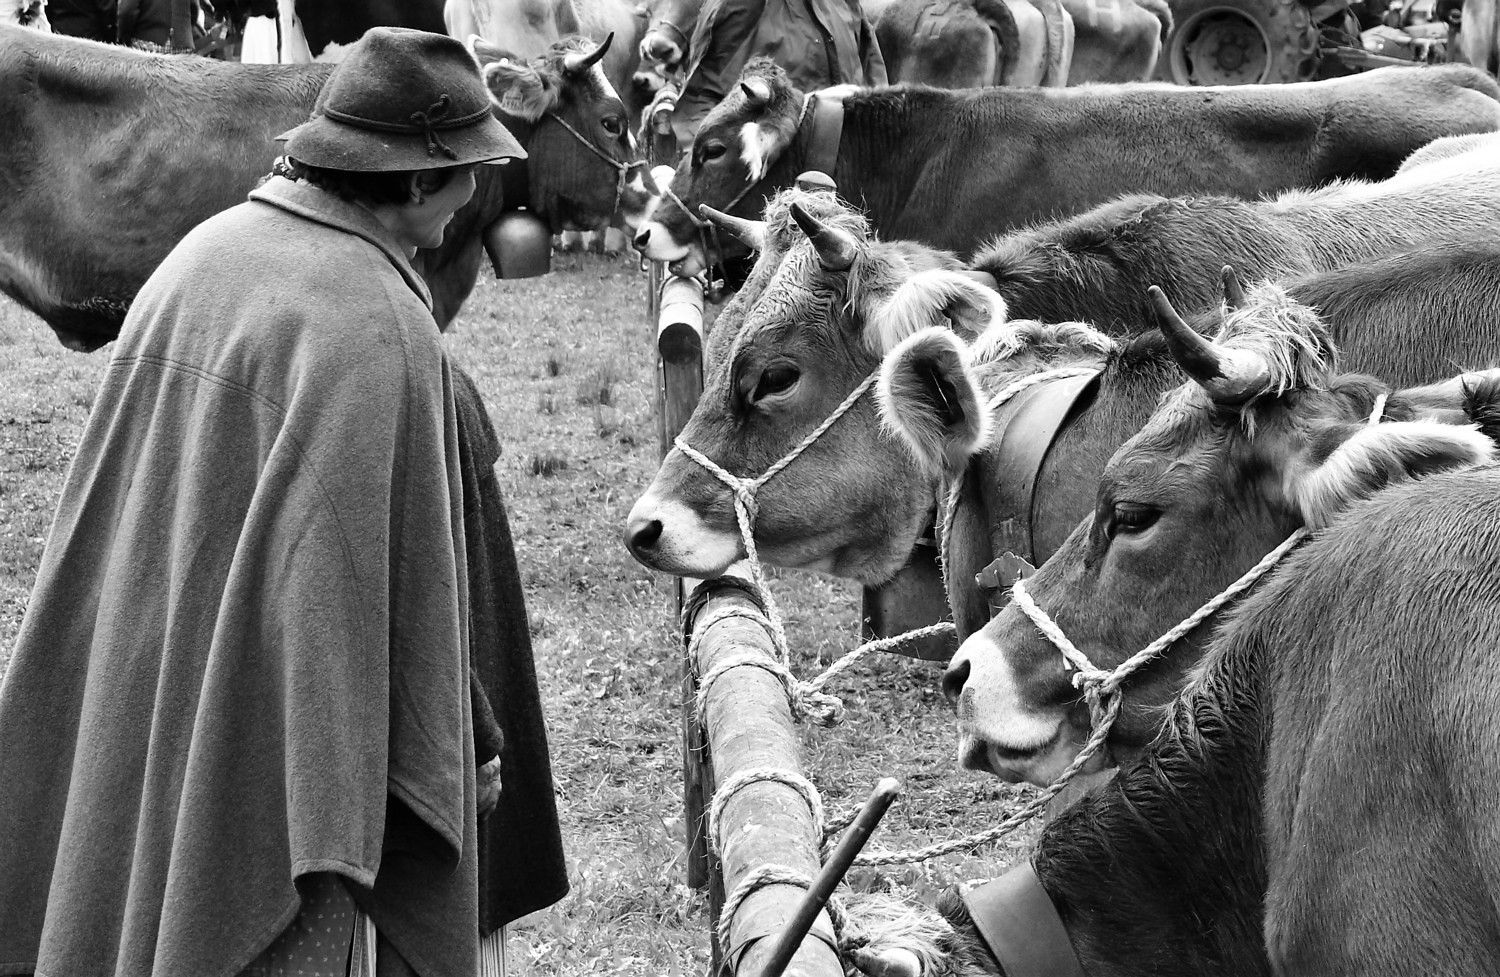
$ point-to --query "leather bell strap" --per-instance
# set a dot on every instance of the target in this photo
(1025, 429)
(827, 132)
(1020, 924)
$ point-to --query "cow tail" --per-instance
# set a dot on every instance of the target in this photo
(1003, 25)
(1163, 14)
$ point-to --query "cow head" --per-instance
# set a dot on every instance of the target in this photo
(1266, 437)
(665, 43)
(575, 129)
(823, 304)
(732, 152)
(25, 13)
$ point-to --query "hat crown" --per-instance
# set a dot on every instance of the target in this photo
(400, 80)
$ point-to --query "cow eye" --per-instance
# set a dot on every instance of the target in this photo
(774, 380)
(1130, 517)
(613, 124)
(713, 151)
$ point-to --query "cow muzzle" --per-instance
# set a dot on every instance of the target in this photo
(668, 536)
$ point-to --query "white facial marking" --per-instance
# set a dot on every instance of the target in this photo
(686, 547)
(660, 246)
(756, 146)
(990, 709)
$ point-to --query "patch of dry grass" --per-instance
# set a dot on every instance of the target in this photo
(564, 363)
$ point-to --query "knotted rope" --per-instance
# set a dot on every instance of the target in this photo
(622, 169)
(807, 698)
(428, 123)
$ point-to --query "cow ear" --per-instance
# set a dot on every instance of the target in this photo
(484, 52)
(935, 297)
(520, 90)
(930, 399)
(1366, 458)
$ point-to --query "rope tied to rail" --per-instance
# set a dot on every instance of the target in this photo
(773, 874)
(808, 700)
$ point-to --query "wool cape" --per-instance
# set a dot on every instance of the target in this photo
(521, 863)
(245, 655)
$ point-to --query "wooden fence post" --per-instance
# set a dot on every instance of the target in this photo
(676, 307)
(748, 725)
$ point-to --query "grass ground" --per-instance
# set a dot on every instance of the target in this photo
(564, 363)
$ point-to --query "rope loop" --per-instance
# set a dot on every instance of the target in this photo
(772, 874)
(758, 775)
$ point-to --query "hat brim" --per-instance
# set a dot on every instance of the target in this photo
(324, 142)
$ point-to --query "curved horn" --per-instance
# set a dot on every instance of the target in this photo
(748, 232)
(1229, 376)
(835, 248)
(1234, 295)
(580, 61)
(982, 277)
(757, 91)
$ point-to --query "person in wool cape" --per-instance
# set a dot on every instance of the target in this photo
(241, 732)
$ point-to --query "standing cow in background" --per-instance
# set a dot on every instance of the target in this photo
(25, 13)
(974, 43)
(524, 29)
(1013, 156)
(1479, 34)
(162, 143)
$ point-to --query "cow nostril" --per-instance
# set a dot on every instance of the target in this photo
(642, 237)
(643, 538)
(954, 679)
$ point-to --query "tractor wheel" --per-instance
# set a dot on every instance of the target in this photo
(1240, 42)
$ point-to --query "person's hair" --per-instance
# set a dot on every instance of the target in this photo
(389, 187)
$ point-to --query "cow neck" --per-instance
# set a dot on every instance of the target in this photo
(1178, 833)
(889, 146)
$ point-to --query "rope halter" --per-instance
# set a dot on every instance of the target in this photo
(622, 169)
(808, 699)
(1101, 687)
(708, 231)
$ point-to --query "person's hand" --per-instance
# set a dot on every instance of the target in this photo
(488, 782)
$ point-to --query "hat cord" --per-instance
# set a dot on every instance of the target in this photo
(427, 123)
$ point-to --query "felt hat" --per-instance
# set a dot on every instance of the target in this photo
(402, 100)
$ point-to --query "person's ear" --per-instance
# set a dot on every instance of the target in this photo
(414, 188)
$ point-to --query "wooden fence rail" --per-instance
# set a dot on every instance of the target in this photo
(748, 724)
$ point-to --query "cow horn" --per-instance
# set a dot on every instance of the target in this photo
(1229, 376)
(748, 232)
(1234, 295)
(580, 61)
(757, 91)
(835, 248)
(982, 277)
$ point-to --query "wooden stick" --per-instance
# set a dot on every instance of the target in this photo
(832, 874)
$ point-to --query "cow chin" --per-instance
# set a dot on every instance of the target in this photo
(1040, 765)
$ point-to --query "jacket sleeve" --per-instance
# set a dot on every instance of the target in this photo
(718, 47)
(489, 740)
(869, 54)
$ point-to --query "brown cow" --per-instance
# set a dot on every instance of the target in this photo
(840, 506)
(1320, 799)
(958, 43)
(951, 169)
(112, 155)
(1133, 380)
